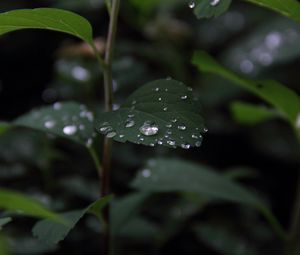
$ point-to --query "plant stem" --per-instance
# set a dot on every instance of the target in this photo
(108, 97)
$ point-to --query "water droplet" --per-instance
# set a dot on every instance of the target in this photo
(195, 136)
(111, 134)
(214, 2)
(50, 124)
(159, 99)
(129, 123)
(165, 109)
(168, 125)
(152, 144)
(160, 142)
(171, 142)
(146, 173)
(121, 136)
(149, 128)
(185, 146)
(57, 106)
(105, 129)
(192, 4)
(205, 130)
(70, 130)
(174, 120)
(198, 144)
(184, 97)
(130, 115)
(156, 89)
(181, 127)
(166, 90)
(190, 89)
(142, 139)
(133, 102)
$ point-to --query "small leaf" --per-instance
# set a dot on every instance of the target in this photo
(14, 201)
(52, 232)
(162, 112)
(250, 114)
(211, 8)
(69, 120)
(4, 221)
(46, 18)
(166, 175)
(282, 98)
(289, 8)
(125, 209)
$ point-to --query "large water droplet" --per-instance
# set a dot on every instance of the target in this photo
(181, 127)
(214, 2)
(129, 123)
(50, 124)
(70, 130)
(185, 145)
(192, 4)
(111, 134)
(146, 173)
(149, 128)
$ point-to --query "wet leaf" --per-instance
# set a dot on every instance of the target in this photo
(19, 203)
(286, 101)
(162, 112)
(170, 175)
(69, 120)
(52, 232)
(251, 114)
(210, 8)
(49, 19)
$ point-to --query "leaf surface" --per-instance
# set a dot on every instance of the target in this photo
(49, 19)
(162, 112)
(210, 8)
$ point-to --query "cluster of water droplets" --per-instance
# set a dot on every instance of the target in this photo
(192, 4)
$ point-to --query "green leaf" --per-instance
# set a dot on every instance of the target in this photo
(4, 250)
(170, 175)
(52, 232)
(289, 8)
(251, 114)
(69, 120)
(14, 201)
(286, 101)
(4, 221)
(4, 126)
(210, 8)
(47, 18)
(162, 112)
(125, 209)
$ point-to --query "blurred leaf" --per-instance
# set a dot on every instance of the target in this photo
(125, 209)
(210, 8)
(47, 18)
(3, 246)
(161, 112)
(171, 175)
(17, 202)
(289, 8)
(238, 173)
(52, 232)
(279, 96)
(224, 240)
(4, 221)
(69, 120)
(274, 41)
(4, 126)
(251, 114)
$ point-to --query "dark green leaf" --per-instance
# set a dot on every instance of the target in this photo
(14, 201)
(4, 221)
(289, 8)
(125, 209)
(282, 98)
(3, 246)
(251, 114)
(46, 18)
(210, 8)
(161, 112)
(52, 232)
(70, 120)
(170, 175)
